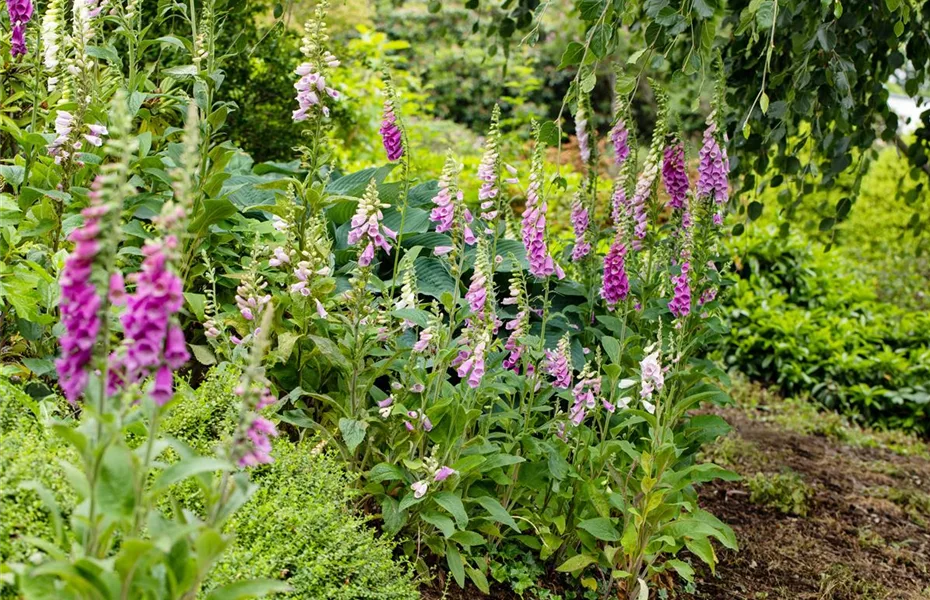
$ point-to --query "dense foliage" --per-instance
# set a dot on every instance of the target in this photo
(499, 348)
(806, 321)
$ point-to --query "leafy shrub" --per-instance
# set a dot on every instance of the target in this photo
(805, 321)
(297, 525)
(785, 492)
(28, 452)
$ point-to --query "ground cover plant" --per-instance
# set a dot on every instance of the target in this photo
(494, 354)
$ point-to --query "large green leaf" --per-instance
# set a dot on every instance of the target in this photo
(432, 277)
(498, 512)
(601, 528)
(354, 184)
(243, 590)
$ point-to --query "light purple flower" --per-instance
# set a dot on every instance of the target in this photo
(558, 364)
(620, 136)
(640, 197)
(450, 213)
(420, 488)
(581, 134)
(391, 136)
(367, 230)
(534, 223)
(585, 395)
(713, 168)
(152, 338)
(444, 473)
(580, 224)
(680, 304)
(256, 442)
(674, 175)
(311, 89)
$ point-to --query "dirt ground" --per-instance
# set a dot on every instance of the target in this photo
(866, 531)
(866, 534)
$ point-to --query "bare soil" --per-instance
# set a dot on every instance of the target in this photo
(866, 534)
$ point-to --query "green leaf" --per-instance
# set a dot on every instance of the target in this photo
(549, 134)
(394, 517)
(467, 538)
(576, 563)
(252, 588)
(684, 570)
(478, 578)
(385, 472)
(353, 432)
(601, 528)
(354, 184)
(181, 72)
(197, 304)
(827, 223)
(442, 523)
(572, 55)
(456, 566)
(188, 468)
(214, 211)
(453, 504)
(330, 350)
(703, 549)
(115, 493)
(755, 210)
(496, 510)
(764, 103)
(432, 277)
(612, 348)
(203, 354)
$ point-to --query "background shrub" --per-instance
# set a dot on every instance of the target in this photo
(28, 452)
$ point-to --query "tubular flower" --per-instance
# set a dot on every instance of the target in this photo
(450, 213)
(680, 304)
(674, 175)
(618, 204)
(615, 285)
(534, 222)
(585, 394)
(558, 364)
(640, 196)
(80, 302)
(489, 170)
(479, 292)
(619, 135)
(153, 340)
(367, 230)
(713, 167)
(391, 136)
(470, 361)
(311, 88)
(581, 134)
(250, 296)
(257, 446)
(60, 148)
(519, 325)
(20, 13)
(652, 377)
(580, 223)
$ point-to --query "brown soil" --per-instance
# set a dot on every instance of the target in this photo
(866, 535)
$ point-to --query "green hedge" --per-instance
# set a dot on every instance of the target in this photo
(28, 452)
(298, 525)
(803, 320)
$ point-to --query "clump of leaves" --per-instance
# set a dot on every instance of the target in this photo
(785, 492)
(733, 450)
